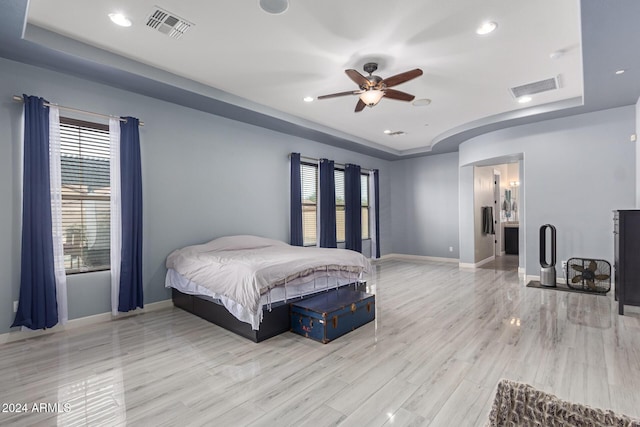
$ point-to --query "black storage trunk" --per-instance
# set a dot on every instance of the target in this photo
(332, 314)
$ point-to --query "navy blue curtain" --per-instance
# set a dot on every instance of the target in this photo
(37, 307)
(376, 208)
(131, 296)
(327, 205)
(353, 208)
(296, 201)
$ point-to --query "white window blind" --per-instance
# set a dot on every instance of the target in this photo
(309, 177)
(364, 198)
(86, 190)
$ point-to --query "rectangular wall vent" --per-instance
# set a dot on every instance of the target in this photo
(168, 23)
(535, 87)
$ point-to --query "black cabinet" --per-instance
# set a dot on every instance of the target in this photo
(511, 240)
(626, 230)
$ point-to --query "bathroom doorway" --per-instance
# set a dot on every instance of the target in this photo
(498, 250)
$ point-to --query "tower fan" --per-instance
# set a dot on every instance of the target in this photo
(547, 269)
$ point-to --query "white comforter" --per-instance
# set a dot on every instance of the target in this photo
(243, 268)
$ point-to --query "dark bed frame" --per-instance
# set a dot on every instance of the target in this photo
(274, 321)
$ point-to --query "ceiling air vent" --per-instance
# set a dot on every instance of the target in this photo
(535, 87)
(397, 133)
(168, 23)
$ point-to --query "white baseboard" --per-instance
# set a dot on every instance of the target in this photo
(529, 278)
(477, 264)
(416, 258)
(485, 261)
(82, 321)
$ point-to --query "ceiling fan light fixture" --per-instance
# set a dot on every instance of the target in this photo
(371, 96)
(372, 89)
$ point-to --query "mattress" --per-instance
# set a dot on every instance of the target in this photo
(299, 288)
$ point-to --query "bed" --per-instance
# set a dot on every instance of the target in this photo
(245, 283)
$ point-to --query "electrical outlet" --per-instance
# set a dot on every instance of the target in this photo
(564, 265)
(450, 248)
(15, 306)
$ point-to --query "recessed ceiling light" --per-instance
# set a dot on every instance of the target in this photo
(524, 99)
(486, 28)
(557, 54)
(274, 7)
(308, 99)
(620, 72)
(120, 19)
(387, 131)
(421, 102)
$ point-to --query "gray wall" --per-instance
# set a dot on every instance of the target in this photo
(203, 177)
(504, 185)
(576, 170)
(465, 215)
(424, 196)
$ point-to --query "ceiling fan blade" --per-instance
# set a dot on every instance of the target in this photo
(358, 78)
(593, 266)
(360, 106)
(335, 95)
(402, 77)
(396, 94)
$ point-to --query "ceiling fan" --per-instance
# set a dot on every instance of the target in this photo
(374, 88)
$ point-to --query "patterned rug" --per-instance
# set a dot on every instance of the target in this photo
(518, 404)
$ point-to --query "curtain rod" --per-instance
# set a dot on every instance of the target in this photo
(19, 99)
(312, 160)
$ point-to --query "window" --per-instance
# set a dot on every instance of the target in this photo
(309, 176)
(340, 212)
(86, 190)
(364, 199)
(340, 205)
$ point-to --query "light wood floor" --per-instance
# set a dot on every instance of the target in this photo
(442, 339)
(504, 262)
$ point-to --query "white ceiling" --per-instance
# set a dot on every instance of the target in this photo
(277, 60)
